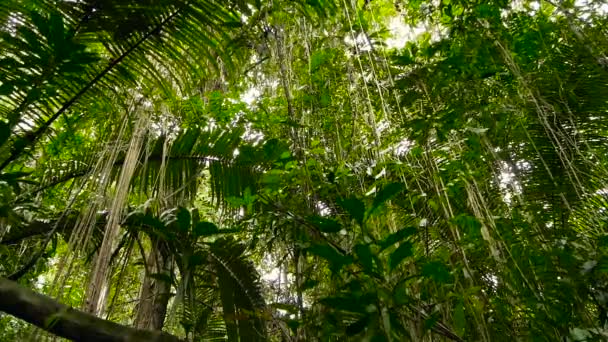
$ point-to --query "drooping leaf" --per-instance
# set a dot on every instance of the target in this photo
(205, 229)
(404, 250)
(365, 257)
(349, 303)
(437, 271)
(355, 208)
(325, 224)
(308, 284)
(162, 277)
(198, 258)
(329, 253)
(386, 193)
(183, 219)
(397, 237)
(459, 319)
(5, 132)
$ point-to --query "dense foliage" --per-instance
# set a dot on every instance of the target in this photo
(309, 170)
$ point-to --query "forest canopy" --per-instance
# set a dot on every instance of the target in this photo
(303, 170)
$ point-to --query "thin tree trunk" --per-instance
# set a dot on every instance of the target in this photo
(155, 291)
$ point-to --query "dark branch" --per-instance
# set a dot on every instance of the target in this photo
(15, 235)
(67, 322)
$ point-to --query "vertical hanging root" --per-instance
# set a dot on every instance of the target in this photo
(98, 277)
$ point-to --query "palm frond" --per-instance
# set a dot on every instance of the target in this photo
(179, 167)
(50, 62)
(240, 292)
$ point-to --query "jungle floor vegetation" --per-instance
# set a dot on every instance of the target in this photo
(303, 170)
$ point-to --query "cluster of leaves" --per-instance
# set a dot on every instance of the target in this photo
(450, 189)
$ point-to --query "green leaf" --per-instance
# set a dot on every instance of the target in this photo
(13, 176)
(403, 251)
(430, 322)
(5, 132)
(162, 277)
(459, 319)
(457, 10)
(437, 271)
(355, 208)
(205, 229)
(309, 284)
(348, 302)
(195, 217)
(151, 221)
(56, 32)
(358, 326)
(326, 252)
(400, 293)
(397, 237)
(325, 225)
(329, 253)
(388, 192)
(317, 59)
(470, 223)
(196, 259)
(183, 219)
(364, 254)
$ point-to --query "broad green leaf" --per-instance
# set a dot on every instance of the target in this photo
(13, 176)
(196, 259)
(364, 254)
(325, 225)
(329, 253)
(195, 217)
(437, 271)
(397, 237)
(308, 284)
(403, 251)
(205, 229)
(460, 322)
(349, 302)
(293, 324)
(318, 59)
(5, 132)
(183, 219)
(400, 293)
(355, 208)
(431, 321)
(387, 192)
(470, 223)
(162, 277)
(56, 33)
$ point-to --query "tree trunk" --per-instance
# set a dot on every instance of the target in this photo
(66, 322)
(155, 292)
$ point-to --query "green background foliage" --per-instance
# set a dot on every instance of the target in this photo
(309, 170)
